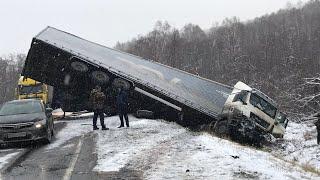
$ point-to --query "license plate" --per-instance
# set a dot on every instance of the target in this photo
(15, 135)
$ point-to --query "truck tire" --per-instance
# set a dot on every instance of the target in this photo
(210, 127)
(79, 66)
(221, 128)
(118, 82)
(100, 76)
(247, 128)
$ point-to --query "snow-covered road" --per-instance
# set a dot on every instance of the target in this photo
(7, 154)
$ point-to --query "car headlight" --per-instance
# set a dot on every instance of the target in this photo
(40, 124)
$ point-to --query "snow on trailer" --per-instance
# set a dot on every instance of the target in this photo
(60, 59)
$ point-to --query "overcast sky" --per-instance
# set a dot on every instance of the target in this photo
(109, 21)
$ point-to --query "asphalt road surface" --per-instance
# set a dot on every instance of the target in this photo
(74, 159)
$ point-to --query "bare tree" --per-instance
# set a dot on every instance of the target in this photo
(10, 70)
(273, 53)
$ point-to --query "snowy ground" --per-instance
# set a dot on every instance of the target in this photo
(163, 150)
(159, 149)
(299, 145)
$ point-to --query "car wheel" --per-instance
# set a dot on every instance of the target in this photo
(49, 135)
(52, 130)
(52, 133)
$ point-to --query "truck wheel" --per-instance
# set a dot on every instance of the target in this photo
(100, 76)
(79, 66)
(247, 128)
(211, 126)
(118, 82)
(221, 128)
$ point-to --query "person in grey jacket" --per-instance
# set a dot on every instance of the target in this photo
(97, 98)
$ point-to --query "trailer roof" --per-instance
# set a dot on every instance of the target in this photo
(203, 94)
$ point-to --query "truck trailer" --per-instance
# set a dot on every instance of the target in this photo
(76, 65)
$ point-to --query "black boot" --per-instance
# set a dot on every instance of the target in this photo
(95, 128)
(104, 128)
(121, 122)
(127, 119)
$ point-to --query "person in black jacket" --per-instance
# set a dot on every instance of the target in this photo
(317, 123)
(122, 105)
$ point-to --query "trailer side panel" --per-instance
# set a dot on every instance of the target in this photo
(196, 92)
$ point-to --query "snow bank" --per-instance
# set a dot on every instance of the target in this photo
(163, 150)
(300, 145)
(207, 157)
(58, 113)
(87, 115)
(4, 159)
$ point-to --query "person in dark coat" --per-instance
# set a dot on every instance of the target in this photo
(97, 99)
(122, 105)
(317, 123)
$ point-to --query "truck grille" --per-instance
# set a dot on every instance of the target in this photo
(16, 126)
(259, 121)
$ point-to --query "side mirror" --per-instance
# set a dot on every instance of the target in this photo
(241, 97)
(243, 102)
(286, 123)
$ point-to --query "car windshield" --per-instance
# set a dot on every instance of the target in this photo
(263, 105)
(20, 107)
(31, 89)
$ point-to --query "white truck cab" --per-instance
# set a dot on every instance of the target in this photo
(246, 105)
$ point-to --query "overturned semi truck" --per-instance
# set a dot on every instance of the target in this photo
(75, 65)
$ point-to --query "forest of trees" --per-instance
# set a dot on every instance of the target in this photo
(278, 53)
(10, 70)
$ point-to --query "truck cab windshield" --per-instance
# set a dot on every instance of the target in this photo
(282, 119)
(31, 89)
(263, 105)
